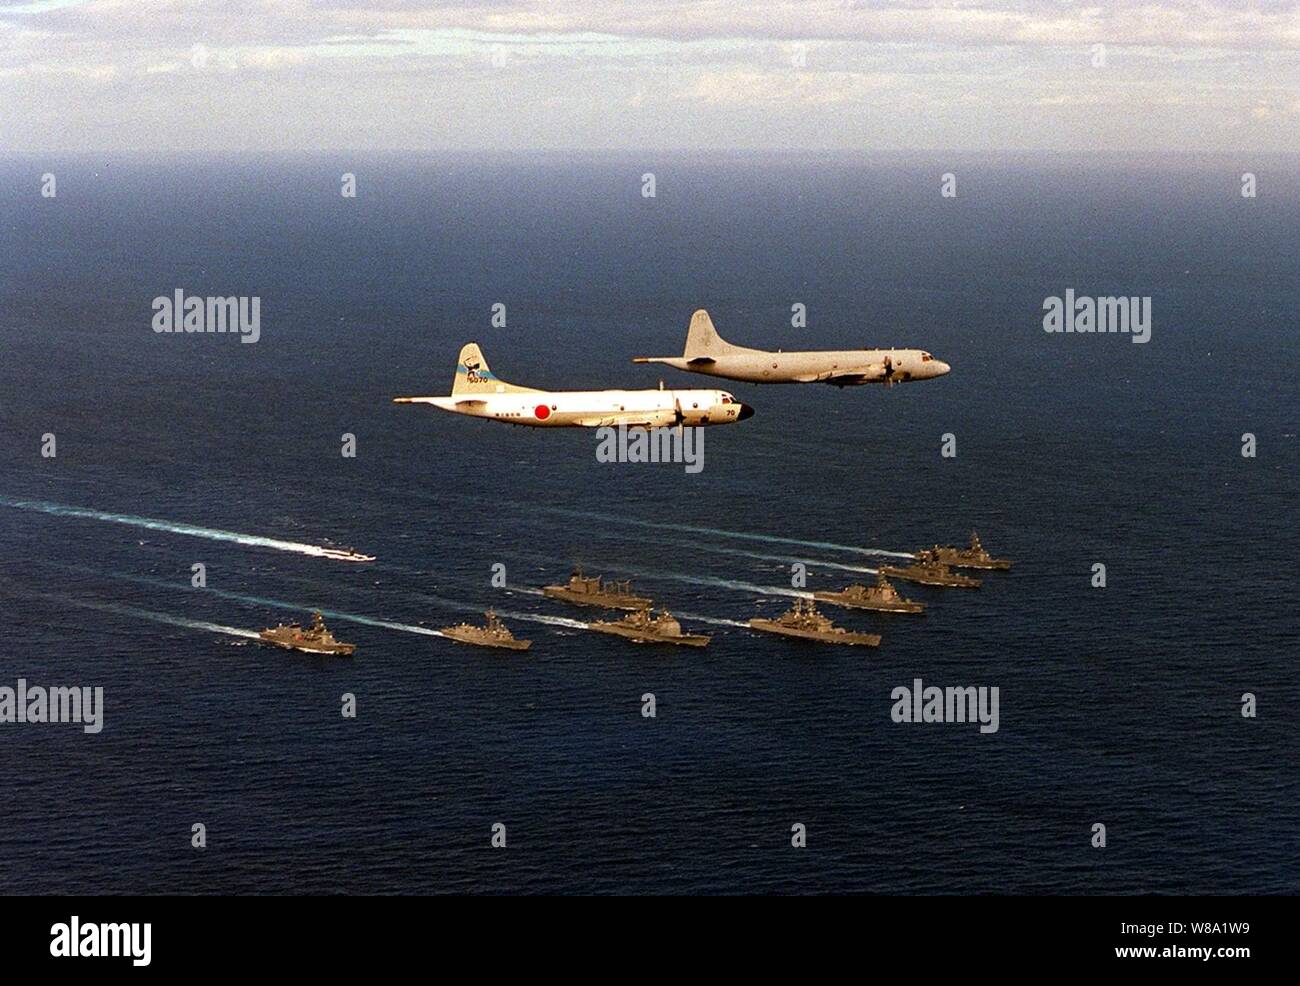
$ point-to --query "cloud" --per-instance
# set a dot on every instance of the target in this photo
(742, 87)
(394, 73)
(1171, 23)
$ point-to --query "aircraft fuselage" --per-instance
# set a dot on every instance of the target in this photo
(846, 367)
(596, 408)
(707, 352)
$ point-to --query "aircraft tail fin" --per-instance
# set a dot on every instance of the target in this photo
(474, 377)
(702, 339)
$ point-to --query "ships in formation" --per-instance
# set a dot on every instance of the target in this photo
(935, 566)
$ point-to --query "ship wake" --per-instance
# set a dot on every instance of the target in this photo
(190, 530)
(145, 614)
(718, 532)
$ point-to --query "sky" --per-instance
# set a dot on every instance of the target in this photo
(219, 76)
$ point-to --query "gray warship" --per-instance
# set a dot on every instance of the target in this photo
(976, 556)
(928, 570)
(804, 622)
(881, 597)
(585, 590)
(643, 628)
(493, 634)
(315, 639)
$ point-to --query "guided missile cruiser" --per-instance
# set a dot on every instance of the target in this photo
(644, 628)
(478, 392)
(707, 352)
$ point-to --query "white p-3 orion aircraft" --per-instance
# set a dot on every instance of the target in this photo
(707, 352)
(479, 393)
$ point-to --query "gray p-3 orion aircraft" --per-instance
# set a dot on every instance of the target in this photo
(707, 352)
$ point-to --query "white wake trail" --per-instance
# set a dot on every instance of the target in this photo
(145, 614)
(715, 620)
(718, 532)
(190, 530)
(709, 580)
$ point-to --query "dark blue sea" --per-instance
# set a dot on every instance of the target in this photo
(1119, 706)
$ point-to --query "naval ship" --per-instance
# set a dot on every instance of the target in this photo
(803, 621)
(973, 557)
(343, 552)
(882, 597)
(315, 639)
(493, 634)
(928, 570)
(643, 628)
(593, 591)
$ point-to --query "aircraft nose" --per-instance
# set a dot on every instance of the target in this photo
(745, 412)
(941, 369)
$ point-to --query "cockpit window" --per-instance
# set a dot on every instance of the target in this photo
(728, 399)
(926, 357)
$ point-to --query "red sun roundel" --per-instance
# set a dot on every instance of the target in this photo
(542, 411)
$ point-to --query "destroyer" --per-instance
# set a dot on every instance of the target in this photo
(493, 634)
(882, 597)
(583, 590)
(803, 621)
(928, 570)
(973, 557)
(315, 639)
(643, 628)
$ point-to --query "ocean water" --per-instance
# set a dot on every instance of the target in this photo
(1118, 706)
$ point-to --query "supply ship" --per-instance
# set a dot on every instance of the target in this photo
(583, 590)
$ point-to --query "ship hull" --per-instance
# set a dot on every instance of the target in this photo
(848, 637)
(451, 634)
(837, 599)
(338, 650)
(636, 636)
(952, 582)
(988, 565)
(602, 601)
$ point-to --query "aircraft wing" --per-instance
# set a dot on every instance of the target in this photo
(677, 361)
(613, 421)
(871, 373)
(629, 419)
(839, 377)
